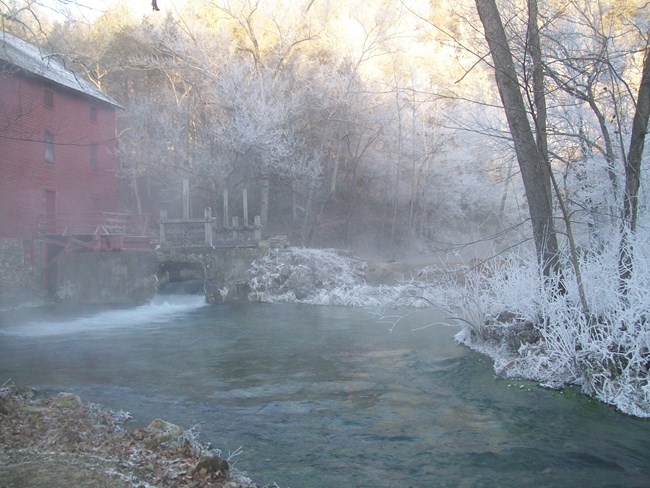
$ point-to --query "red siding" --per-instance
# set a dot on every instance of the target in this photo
(26, 176)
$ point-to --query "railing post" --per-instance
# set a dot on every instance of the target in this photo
(208, 226)
(235, 228)
(226, 217)
(163, 222)
(245, 203)
(258, 228)
(186, 198)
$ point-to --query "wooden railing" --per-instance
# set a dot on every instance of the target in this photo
(94, 224)
(204, 232)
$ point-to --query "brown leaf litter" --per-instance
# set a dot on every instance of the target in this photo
(57, 440)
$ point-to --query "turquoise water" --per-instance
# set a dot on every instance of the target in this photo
(326, 396)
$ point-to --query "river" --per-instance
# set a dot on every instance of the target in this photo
(327, 396)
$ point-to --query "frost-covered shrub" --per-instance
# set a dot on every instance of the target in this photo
(517, 317)
(330, 277)
(314, 276)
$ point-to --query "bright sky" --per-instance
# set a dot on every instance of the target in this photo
(90, 9)
(139, 7)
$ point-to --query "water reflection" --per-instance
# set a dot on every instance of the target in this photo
(327, 397)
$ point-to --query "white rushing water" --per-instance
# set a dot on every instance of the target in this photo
(159, 311)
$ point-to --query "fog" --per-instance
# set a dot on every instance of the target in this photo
(377, 129)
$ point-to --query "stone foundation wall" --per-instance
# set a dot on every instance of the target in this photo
(110, 277)
(19, 278)
(225, 270)
(123, 277)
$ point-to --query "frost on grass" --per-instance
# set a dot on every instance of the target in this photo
(91, 443)
(516, 316)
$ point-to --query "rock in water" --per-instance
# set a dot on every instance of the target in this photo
(66, 400)
(167, 433)
(212, 467)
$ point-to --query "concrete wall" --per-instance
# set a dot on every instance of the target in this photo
(224, 270)
(110, 277)
(122, 277)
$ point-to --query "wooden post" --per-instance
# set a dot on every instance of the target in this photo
(208, 226)
(245, 202)
(235, 225)
(163, 222)
(226, 217)
(258, 228)
(186, 199)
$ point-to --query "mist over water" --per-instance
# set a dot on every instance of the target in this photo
(324, 397)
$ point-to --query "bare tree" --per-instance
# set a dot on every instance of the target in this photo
(530, 152)
(633, 172)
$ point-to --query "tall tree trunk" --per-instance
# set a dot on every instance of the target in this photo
(637, 142)
(633, 172)
(413, 197)
(264, 200)
(356, 157)
(539, 93)
(398, 160)
(534, 168)
(136, 194)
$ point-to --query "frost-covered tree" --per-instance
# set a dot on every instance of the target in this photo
(590, 112)
(294, 101)
(529, 136)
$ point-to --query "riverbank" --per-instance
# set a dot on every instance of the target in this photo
(50, 440)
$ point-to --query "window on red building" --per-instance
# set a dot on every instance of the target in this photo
(49, 147)
(93, 158)
(93, 114)
(48, 100)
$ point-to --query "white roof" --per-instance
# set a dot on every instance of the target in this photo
(30, 58)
